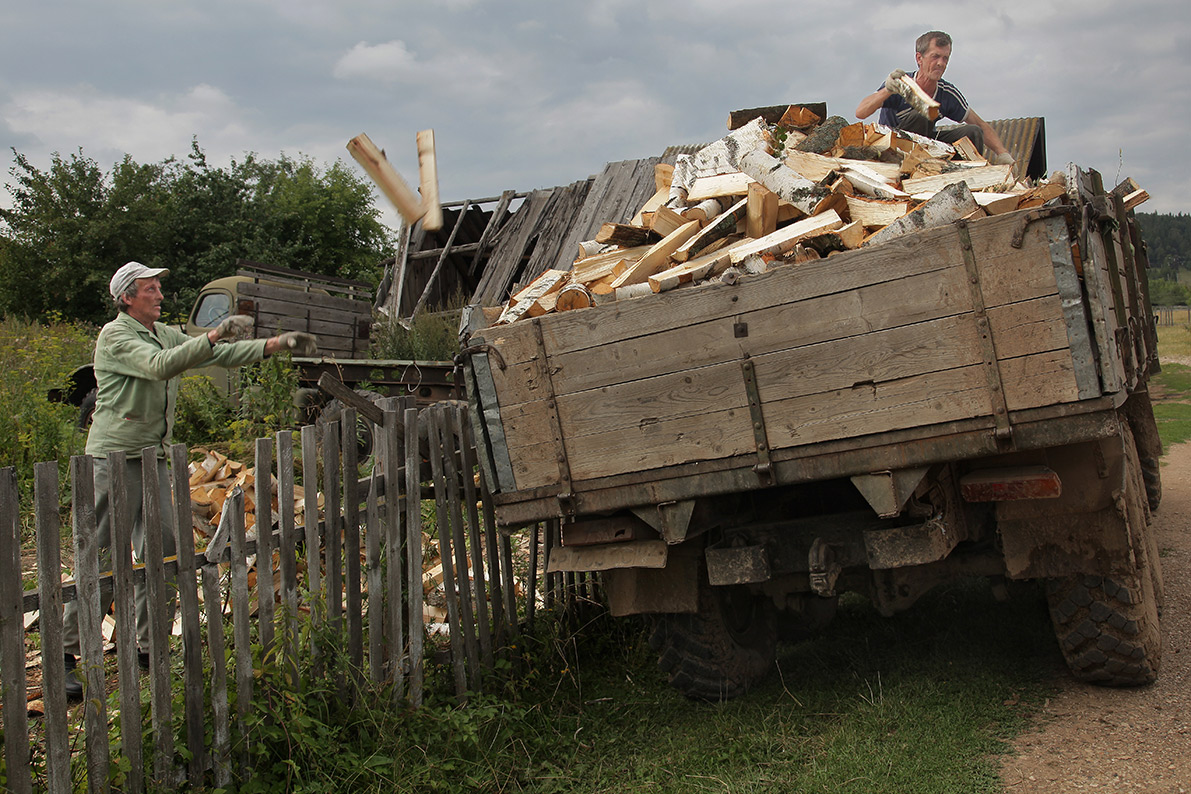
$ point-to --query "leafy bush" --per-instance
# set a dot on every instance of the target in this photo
(34, 358)
(203, 414)
(432, 336)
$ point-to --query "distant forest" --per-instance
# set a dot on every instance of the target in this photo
(1168, 243)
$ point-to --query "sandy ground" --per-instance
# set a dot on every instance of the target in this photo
(1126, 740)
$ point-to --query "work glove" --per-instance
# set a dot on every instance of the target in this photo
(893, 82)
(238, 326)
(1004, 158)
(299, 343)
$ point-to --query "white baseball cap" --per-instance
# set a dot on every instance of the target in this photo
(130, 273)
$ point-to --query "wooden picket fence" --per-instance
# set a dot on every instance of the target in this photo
(363, 579)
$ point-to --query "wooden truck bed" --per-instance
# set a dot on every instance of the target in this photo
(1007, 332)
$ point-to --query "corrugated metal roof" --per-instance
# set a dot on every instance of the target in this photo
(1026, 141)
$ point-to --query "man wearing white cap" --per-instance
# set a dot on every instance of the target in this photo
(138, 364)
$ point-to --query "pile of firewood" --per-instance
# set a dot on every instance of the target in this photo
(787, 192)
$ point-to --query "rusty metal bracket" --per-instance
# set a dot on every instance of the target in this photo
(566, 496)
(992, 369)
(764, 466)
(1041, 213)
(824, 568)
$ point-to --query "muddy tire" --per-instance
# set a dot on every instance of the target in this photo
(723, 650)
(87, 410)
(1108, 626)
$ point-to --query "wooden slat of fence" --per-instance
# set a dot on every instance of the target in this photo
(507, 586)
(413, 553)
(349, 449)
(86, 575)
(53, 669)
(264, 541)
(314, 544)
(192, 652)
(395, 626)
(376, 587)
(12, 639)
(471, 649)
(532, 588)
(549, 579)
(334, 526)
(438, 455)
(241, 626)
(120, 521)
(288, 543)
(220, 727)
(160, 614)
(475, 540)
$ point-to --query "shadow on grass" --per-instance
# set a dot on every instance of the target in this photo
(914, 703)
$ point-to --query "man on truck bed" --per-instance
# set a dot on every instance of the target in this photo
(138, 363)
(932, 51)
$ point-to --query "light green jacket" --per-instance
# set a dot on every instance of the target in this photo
(137, 372)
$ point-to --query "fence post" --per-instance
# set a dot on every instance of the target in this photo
(483, 618)
(221, 740)
(438, 453)
(313, 540)
(413, 529)
(396, 605)
(241, 623)
(264, 542)
(120, 524)
(12, 639)
(289, 549)
(192, 653)
(350, 450)
(161, 615)
(86, 576)
(334, 535)
(452, 447)
(49, 583)
(376, 587)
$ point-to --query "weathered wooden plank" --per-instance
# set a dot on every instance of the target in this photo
(376, 603)
(351, 544)
(938, 290)
(241, 620)
(86, 575)
(438, 457)
(474, 537)
(264, 538)
(220, 721)
(393, 455)
(161, 602)
(12, 647)
(310, 490)
(332, 484)
(53, 671)
(451, 447)
(287, 552)
(413, 553)
(119, 509)
(192, 651)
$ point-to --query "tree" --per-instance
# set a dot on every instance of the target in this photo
(72, 225)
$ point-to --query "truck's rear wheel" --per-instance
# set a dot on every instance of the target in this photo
(1108, 626)
(721, 651)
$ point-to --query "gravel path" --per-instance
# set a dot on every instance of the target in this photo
(1126, 740)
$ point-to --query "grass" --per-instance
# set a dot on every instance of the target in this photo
(1171, 388)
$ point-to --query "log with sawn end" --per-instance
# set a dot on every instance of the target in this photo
(785, 238)
(736, 184)
(787, 183)
(701, 267)
(976, 178)
(625, 234)
(657, 257)
(594, 268)
(521, 304)
(721, 227)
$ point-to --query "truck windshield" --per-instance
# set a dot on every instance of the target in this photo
(211, 309)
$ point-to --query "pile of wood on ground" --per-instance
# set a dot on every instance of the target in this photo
(214, 476)
(769, 194)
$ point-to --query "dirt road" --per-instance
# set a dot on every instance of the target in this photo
(1126, 740)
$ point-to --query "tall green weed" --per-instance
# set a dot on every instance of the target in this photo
(34, 358)
(432, 336)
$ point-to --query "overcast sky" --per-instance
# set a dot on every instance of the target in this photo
(526, 94)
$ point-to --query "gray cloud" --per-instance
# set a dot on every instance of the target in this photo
(528, 94)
